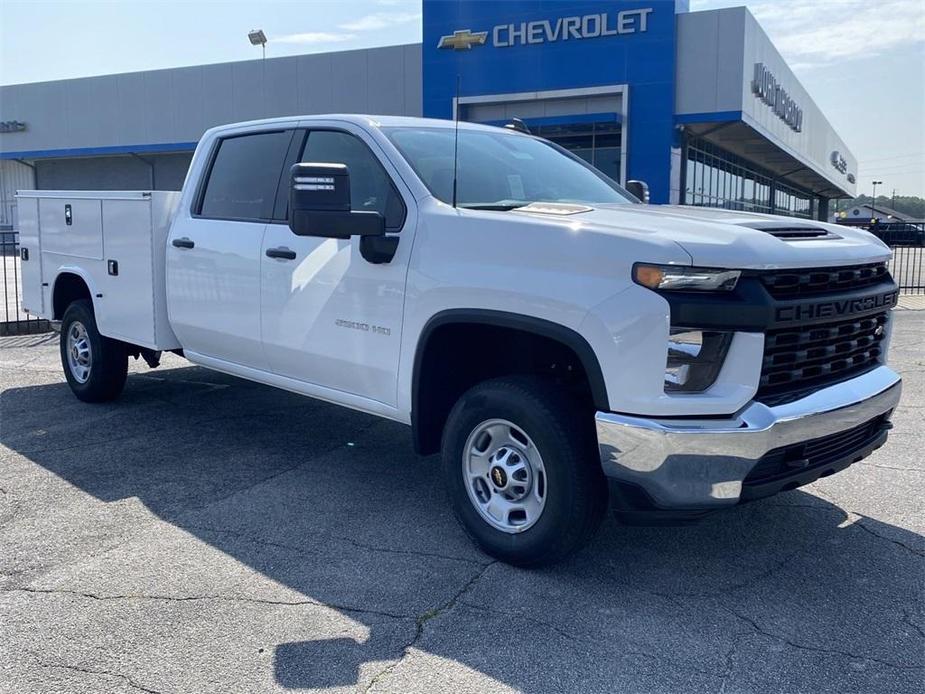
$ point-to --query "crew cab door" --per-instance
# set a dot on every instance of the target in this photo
(214, 249)
(329, 317)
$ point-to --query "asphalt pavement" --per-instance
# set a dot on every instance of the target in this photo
(207, 534)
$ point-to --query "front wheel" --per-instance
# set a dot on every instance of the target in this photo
(95, 366)
(522, 470)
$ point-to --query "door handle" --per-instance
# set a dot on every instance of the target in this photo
(282, 253)
(183, 243)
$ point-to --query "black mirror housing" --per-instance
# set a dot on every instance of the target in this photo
(319, 204)
(640, 189)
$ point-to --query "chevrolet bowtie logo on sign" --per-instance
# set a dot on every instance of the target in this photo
(463, 40)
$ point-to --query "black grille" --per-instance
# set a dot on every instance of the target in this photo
(803, 356)
(788, 284)
(801, 457)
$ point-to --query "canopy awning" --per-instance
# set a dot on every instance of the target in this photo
(740, 138)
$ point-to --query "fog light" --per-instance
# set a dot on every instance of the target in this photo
(695, 358)
(677, 376)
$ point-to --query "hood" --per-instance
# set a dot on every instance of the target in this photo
(741, 240)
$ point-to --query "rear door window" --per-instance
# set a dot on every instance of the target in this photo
(244, 175)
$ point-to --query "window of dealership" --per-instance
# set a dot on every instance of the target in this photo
(598, 143)
(716, 178)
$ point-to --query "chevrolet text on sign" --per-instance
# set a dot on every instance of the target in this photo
(589, 26)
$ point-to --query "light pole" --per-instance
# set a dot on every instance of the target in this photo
(258, 38)
(873, 203)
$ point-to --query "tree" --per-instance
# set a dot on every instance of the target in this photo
(910, 205)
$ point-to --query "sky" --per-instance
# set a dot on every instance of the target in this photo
(863, 61)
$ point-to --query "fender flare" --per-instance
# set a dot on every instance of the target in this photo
(528, 324)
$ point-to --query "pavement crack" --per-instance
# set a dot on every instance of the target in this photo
(770, 571)
(422, 620)
(899, 543)
(728, 660)
(629, 645)
(250, 538)
(97, 673)
(335, 538)
(860, 523)
(907, 619)
(758, 629)
(675, 597)
(410, 552)
(220, 598)
(890, 467)
(533, 620)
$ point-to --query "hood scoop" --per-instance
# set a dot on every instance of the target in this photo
(556, 208)
(792, 232)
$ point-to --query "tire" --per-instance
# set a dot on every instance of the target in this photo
(567, 492)
(95, 366)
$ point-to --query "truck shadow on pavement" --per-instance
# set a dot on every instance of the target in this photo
(335, 506)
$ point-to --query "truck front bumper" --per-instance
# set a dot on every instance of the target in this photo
(686, 467)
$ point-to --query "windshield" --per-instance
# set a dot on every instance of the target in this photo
(500, 170)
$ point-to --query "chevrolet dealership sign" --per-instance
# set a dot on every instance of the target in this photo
(589, 26)
(766, 87)
(12, 126)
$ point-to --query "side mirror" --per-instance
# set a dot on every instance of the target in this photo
(319, 204)
(640, 189)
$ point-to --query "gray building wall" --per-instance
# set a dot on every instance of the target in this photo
(123, 172)
(171, 107)
(717, 52)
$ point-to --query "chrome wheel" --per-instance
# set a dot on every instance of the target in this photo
(504, 476)
(79, 354)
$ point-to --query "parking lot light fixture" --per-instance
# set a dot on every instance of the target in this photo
(258, 38)
(873, 202)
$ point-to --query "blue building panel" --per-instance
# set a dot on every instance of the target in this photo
(539, 45)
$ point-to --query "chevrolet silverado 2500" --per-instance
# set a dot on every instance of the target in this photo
(561, 344)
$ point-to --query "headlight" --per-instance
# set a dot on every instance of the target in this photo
(677, 278)
(695, 358)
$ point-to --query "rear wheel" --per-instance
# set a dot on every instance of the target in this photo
(521, 468)
(95, 366)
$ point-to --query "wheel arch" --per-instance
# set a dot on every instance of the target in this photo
(427, 420)
(71, 284)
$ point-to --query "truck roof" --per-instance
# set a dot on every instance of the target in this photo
(366, 120)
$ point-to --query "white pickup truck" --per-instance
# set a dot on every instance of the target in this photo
(558, 342)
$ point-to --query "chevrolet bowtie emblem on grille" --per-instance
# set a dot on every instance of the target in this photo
(463, 40)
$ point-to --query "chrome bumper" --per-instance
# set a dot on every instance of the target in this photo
(701, 463)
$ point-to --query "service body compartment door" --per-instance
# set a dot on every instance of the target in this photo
(126, 307)
(72, 227)
(30, 254)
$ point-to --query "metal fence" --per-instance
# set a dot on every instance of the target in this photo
(12, 319)
(907, 268)
(907, 241)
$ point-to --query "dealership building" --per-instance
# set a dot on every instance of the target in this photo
(700, 105)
